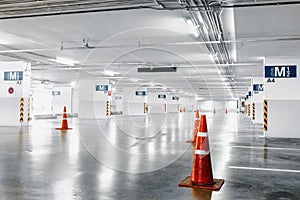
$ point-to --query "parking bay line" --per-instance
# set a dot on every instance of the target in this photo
(264, 169)
(271, 148)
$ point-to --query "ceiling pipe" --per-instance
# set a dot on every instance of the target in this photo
(196, 8)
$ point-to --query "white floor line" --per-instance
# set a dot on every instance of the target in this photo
(265, 169)
(271, 148)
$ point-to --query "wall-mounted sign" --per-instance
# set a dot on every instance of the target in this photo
(175, 98)
(13, 76)
(285, 71)
(55, 93)
(140, 93)
(258, 88)
(102, 88)
(162, 96)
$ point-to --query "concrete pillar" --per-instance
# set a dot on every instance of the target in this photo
(134, 100)
(283, 95)
(173, 102)
(157, 100)
(15, 100)
(188, 103)
(258, 96)
(248, 103)
(94, 99)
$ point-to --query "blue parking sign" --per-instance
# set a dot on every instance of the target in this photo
(283, 71)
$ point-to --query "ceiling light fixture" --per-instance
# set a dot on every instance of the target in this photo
(65, 61)
(109, 73)
(73, 84)
(193, 27)
(205, 29)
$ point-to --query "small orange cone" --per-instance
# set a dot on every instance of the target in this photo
(196, 126)
(202, 176)
(64, 122)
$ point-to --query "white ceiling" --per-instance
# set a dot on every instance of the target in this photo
(122, 41)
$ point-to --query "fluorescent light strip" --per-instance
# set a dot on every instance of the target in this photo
(192, 27)
(271, 148)
(65, 61)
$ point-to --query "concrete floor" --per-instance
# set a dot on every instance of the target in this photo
(144, 158)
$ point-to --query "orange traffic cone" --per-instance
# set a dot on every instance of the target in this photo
(202, 176)
(64, 122)
(196, 126)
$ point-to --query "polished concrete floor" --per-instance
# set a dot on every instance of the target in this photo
(142, 157)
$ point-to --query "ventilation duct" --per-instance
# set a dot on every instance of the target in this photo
(157, 69)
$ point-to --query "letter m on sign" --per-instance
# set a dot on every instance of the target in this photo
(279, 71)
(260, 87)
(13, 76)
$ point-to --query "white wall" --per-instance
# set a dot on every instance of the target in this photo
(91, 102)
(172, 105)
(172, 108)
(188, 103)
(219, 106)
(75, 99)
(155, 104)
(258, 99)
(64, 99)
(284, 118)
(132, 104)
(42, 101)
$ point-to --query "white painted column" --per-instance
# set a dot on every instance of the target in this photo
(14, 87)
(173, 102)
(283, 95)
(92, 103)
(188, 103)
(133, 100)
(258, 96)
(157, 100)
(249, 103)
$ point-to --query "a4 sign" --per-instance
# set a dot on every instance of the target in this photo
(283, 71)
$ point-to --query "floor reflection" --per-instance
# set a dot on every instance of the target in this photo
(199, 194)
(42, 163)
